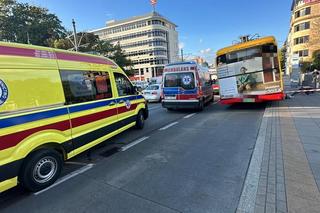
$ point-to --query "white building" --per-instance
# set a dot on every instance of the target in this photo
(150, 41)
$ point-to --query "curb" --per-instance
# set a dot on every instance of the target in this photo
(249, 191)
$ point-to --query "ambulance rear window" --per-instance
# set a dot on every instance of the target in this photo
(84, 86)
(183, 79)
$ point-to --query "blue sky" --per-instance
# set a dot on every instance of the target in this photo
(204, 25)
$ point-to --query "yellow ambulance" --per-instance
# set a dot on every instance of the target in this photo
(55, 104)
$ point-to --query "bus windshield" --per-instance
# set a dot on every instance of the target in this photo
(183, 79)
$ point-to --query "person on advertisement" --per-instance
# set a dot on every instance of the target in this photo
(245, 81)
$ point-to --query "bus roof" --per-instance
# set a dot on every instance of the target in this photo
(232, 48)
(32, 51)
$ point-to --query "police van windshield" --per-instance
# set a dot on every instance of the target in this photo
(183, 79)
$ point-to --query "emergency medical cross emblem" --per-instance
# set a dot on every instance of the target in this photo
(3, 92)
(128, 104)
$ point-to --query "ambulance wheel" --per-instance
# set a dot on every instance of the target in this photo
(201, 106)
(41, 169)
(140, 120)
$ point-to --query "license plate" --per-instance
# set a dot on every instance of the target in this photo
(249, 100)
(171, 97)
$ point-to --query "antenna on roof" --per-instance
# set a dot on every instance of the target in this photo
(244, 38)
(154, 3)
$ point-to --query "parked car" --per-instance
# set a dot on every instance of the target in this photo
(152, 93)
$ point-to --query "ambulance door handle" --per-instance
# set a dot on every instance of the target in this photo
(112, 104)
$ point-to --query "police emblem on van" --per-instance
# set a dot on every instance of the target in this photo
(3, 92)
(128, 104)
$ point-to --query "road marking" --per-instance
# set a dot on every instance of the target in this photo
(124, 148)
(67, 177)
(76, 163)
(152, 108)
(190, 115)
(168, 126)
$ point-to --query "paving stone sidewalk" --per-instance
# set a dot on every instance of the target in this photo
(287, 178)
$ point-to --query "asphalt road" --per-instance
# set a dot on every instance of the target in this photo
(182, 162)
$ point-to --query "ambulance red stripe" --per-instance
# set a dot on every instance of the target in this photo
(11, 140)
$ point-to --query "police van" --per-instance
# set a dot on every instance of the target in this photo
(55, 104)
(186, 85)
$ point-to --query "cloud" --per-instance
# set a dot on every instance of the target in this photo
(109, 15)
(200, 40)
(206, 51)
(181, 45)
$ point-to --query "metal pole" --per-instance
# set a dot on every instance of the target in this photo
(181, 54)
(75, 35)
(28, 38)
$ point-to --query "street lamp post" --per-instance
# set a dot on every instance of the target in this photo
(75, 35)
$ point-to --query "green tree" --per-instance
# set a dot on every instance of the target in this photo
(316, 60)
(24, 23)
(283, 57)
(118, 55)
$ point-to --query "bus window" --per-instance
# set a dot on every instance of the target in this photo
(222, 60)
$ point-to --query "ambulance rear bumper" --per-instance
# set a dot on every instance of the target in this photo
(180, 104)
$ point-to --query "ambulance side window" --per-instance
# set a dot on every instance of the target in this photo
(124, 86)
(85, 86)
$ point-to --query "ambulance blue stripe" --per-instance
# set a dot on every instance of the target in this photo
(175, 91)
(8, 122)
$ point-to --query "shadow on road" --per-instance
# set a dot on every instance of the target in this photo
(247, 106)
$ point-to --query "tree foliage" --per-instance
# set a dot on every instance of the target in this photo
(316, 60)
(90, 43)
(24, 23)
(283, 57)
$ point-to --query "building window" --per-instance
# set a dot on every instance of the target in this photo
(302, 53)
(141, 71)
(147, 70)
(303, 12)
(301, 40)
(302, 26)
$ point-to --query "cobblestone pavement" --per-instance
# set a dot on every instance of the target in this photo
(287, 176)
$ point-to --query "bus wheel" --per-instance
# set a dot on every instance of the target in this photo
(140, 120)
(41, 169)
(201, 105)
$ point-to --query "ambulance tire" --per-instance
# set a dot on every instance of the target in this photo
(140, 120)
(47, 161)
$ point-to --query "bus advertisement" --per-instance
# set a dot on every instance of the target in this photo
(250, 72)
